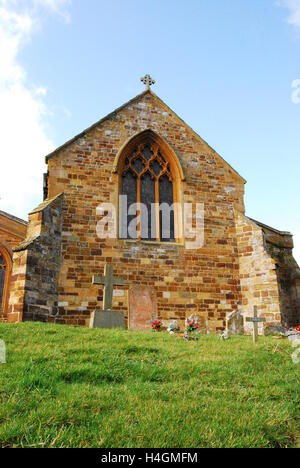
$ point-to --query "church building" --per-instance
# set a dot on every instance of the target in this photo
(143, 154)
(12, 232)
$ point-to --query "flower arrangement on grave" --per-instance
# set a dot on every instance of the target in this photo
(173, 328)
(156, 325)
(225, 336)
(191, 329)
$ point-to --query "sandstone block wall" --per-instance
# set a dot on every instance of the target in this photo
(37, 262)
(279, 246)
(12, 232)
(203, 282)
(17, 287)
(266, 268)
(234, 270)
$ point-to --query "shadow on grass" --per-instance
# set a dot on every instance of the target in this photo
(90, 377)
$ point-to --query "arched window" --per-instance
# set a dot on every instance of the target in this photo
(149, 183)
(5, 271)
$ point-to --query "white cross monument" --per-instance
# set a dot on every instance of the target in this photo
(255, 320)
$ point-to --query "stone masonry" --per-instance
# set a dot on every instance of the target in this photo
(37, 263)
(240, 264)
(12, 232)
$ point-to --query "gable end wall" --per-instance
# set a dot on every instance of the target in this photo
(204, 282)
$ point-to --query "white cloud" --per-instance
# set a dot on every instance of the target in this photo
(294, 11)
(60, 7)
(41, 91)
(24, 141)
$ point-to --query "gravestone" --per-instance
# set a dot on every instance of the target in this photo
(142, 308)
(293, 335)
(2, 352)
(275, 330)
(255, 320)
(109, 281)
(107, 319)
(235, 323)
(225, 336)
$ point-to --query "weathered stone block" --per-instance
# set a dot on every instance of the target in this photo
(235, 323)
(107, 319)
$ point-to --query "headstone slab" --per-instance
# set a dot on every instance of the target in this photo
(107, 319)
(142, 308)
(2, 352)
(235, 323)
(275, 330)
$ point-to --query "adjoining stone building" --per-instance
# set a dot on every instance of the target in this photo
(12, 232)
(145, 151)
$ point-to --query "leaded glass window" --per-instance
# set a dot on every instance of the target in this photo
(148, 183)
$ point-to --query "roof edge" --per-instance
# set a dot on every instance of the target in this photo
(45, 204)
(147, 91)
(282, 233)
(91, 127)
(13, 218)
(199, 137)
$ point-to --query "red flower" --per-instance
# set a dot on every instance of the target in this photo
(156, 325)
(298, 329)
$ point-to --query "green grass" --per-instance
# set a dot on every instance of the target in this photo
(70, 387)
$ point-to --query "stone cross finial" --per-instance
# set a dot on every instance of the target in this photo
(148, 81)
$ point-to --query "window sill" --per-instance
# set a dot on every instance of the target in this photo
(152, 243)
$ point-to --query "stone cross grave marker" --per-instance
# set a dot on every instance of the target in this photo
(107, 318)
(255, 320)
(109, 281)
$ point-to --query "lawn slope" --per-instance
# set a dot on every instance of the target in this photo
(71, 387)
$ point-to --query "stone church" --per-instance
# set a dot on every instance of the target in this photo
(12, 232)
(148, 154)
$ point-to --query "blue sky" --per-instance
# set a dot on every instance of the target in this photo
(225, 66)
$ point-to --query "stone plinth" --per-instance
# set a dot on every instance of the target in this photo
(107, 319)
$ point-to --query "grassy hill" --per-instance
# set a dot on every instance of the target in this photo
(70, 387)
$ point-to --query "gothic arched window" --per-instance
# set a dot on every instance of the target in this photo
(148, 186)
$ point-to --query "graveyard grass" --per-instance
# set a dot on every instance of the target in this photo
(70, 387)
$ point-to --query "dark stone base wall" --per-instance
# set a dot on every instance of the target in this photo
(280, 248)
(37, 264)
